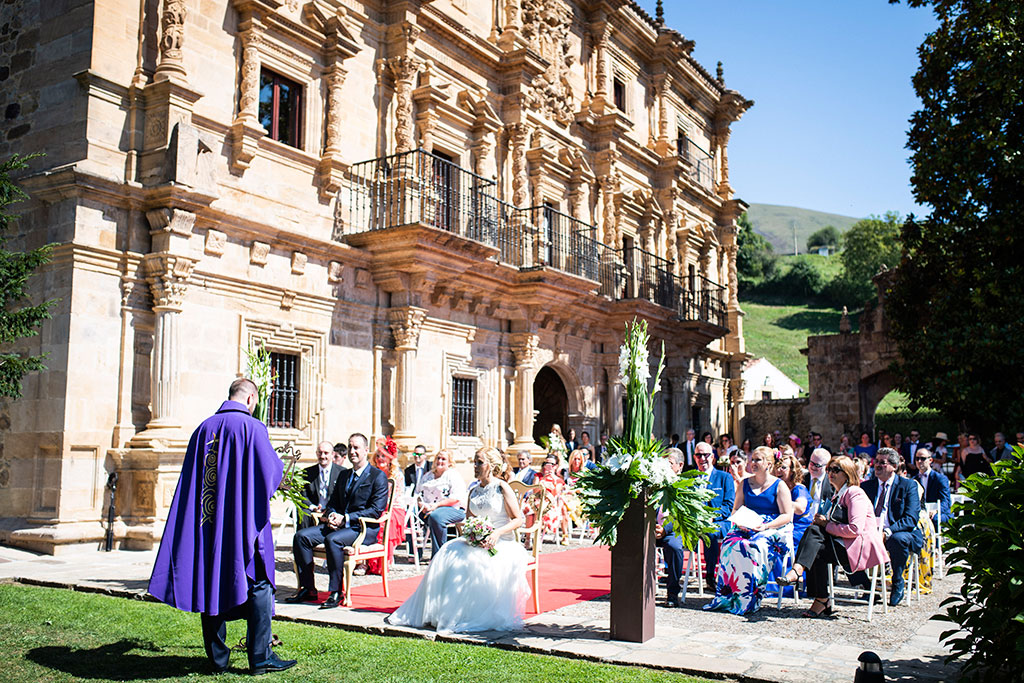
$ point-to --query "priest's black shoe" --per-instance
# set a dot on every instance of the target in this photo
(273, 664)
(302, 596)
(333, 600)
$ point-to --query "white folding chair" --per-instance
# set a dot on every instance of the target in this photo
(877, 577)
(940, 565)
(415, 531)
(289, 518)
(693, 561)
(782, 589)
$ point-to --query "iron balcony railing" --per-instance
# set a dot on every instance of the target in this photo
(702, 164)
(418, 187)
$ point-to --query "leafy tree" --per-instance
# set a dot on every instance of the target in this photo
(802, 282)
(18, 319)
(955, 301)
(867, 246)
(825, 237)
(755, 258)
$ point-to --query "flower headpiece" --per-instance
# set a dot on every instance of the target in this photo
(390, 446)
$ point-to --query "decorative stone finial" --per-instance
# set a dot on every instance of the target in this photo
(659, 13)
(844, 322)
(720, 74)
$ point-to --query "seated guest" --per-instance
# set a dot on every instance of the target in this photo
(865, 447)
(442, 499)
(788, 469)
(320, 481)
(385, 458)
(361, 491)
(418, 468)
(587, 446)
(818, 485)
(935, 485)
(897, 507)
(846, 534)
(738, 466)
(926, 562)
(524, 473)
(341, 455)
(749, 555)
(554, 519)
(725, 497)
(670, 544)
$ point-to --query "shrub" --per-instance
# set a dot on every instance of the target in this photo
(987, 542)
(802, 281)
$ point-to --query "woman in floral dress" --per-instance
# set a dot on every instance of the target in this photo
(749, 556)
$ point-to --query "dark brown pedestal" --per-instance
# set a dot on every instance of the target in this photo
(633, 575)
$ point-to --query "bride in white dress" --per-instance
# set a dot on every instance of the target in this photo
(467, 589)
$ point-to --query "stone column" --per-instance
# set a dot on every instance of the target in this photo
(167, 275)
(335, 80)
(662, 83)
(601, 36)
(609, 186)
(172, 36)
(403, 70)
(246, 130)
(518, 134)
(406, 323)
(722, 138)
(524, 350)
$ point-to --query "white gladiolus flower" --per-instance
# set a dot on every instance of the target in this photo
(624, 364)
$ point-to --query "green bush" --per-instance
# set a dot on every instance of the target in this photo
(987, 545)
(802, 282)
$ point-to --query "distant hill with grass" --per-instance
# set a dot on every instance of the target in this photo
(776, 223)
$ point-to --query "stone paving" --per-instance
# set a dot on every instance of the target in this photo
(775, 645)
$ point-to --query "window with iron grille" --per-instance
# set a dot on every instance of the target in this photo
(463, 406)
(284, 397)
(280, 108)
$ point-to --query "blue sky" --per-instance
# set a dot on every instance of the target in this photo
(831, 84)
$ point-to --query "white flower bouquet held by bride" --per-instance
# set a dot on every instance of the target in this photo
(636, 464)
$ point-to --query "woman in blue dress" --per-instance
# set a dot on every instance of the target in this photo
(749, 554)
(789, 470)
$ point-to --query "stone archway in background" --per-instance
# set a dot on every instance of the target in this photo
(550, 401)
(871, 391)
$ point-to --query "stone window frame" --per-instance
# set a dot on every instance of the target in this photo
(310, 345)
(305, 71)
(453, 366)
(300, 122)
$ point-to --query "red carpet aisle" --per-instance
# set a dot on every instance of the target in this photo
(565, 578)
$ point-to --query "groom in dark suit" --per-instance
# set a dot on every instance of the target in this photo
(360, 492)
(897, 507)
(320, 481)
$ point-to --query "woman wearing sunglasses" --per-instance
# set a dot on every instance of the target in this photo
(847, 534)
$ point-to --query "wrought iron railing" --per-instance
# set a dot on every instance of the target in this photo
(703, 300)
(702, 164)
(418, 187)
(650, 277)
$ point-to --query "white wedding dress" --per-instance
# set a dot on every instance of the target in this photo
(466, 589)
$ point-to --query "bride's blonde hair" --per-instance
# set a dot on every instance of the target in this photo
(499, 466)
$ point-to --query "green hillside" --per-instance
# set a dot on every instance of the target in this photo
(776, 223)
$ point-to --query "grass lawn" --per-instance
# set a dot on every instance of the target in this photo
(58, 635)
(779, 332)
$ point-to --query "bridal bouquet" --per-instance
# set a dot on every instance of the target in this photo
(476, 531)
(636, 465)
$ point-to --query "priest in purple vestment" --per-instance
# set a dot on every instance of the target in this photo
(216, 555)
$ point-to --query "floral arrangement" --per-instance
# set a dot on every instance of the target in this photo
(636, 465)
(262, 375)
(476, 531)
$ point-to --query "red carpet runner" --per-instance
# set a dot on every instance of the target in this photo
(566, 578)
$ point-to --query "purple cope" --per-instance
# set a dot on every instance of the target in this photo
(220, 515)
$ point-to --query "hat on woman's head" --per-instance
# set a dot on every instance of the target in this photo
(941, 435)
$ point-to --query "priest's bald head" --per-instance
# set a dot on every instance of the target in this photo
(244, 391)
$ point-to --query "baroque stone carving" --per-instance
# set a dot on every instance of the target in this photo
(167, 275)
(215, 241)
(258, 253)
(518, 134)
(403, 70)
(172, 37)
(546, 29)
(298, 263)
(524, 348)
(406, 323)
(334, 106)
(335, 272)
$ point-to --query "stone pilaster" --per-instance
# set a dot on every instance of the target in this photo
(524, 351)
(664, 145)
(403, 70)
(246, 130)
(518, 135)
(406, 323)
(172, 37)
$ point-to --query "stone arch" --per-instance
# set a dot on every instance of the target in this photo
(870, 391)
(551, 377)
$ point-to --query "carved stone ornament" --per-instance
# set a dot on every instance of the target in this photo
(517, 135)
(524, 348)
(167, 275)
(215, 241)
(546, 30)
(258, 253)
(298, 263)
(403, 70)
(335, 272)
(406, 323)
(172, 37)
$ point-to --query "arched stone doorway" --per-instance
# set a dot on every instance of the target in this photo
(550, 401)
(871, 391)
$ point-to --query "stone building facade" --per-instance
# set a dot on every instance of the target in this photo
(438, 215)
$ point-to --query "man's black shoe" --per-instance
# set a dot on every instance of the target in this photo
(273, 664)
(302, 596)
(333, 600)
(673, 602)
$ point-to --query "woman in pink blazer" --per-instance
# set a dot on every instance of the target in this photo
(847, 534)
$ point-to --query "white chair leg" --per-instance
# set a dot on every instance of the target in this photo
(831, 586)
